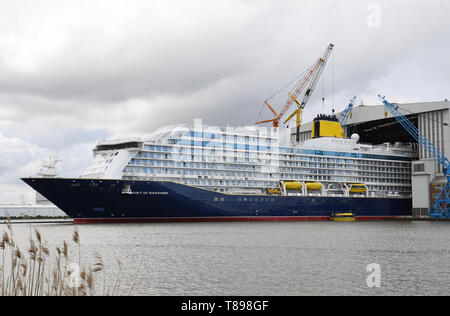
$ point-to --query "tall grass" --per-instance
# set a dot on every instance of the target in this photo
(35, 271)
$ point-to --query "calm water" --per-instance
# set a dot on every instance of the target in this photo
(322, 258)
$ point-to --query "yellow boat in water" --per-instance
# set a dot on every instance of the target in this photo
(343, 217)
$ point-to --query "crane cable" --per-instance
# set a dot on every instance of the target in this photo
(425, 116)
(323, 92)
(332, 83)
(281, 90)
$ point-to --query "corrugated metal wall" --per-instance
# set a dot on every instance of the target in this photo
(431, 124)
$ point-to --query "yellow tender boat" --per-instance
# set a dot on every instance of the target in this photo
(343, 217)
(274, 191)
(357, 188)
(293, 185)
(314, 186)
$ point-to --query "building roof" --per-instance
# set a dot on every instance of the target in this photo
(367, 113)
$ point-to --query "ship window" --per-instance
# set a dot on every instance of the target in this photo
(119, 146)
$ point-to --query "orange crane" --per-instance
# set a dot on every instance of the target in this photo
(311, 77)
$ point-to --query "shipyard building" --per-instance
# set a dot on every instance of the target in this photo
(375, 125)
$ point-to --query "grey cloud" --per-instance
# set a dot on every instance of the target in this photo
(137, 54)
(53, 136)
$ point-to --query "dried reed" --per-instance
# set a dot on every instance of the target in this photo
(34, 273)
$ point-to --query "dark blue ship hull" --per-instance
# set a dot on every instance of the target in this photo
(89, 201)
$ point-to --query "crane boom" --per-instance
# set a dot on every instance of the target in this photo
(309, 77)
(312, 85)
(347, 112)
(442, 204)
(320, 65)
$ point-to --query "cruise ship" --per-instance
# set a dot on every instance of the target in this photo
(208, 173)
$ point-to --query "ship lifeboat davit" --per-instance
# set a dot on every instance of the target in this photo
(293, 185)
(314, 186)
(357, 188)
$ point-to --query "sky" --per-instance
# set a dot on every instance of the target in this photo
(76, 72)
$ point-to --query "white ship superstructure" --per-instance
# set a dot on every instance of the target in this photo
(256, 160)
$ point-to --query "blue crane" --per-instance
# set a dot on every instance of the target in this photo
(442, 204)
(347, 112)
